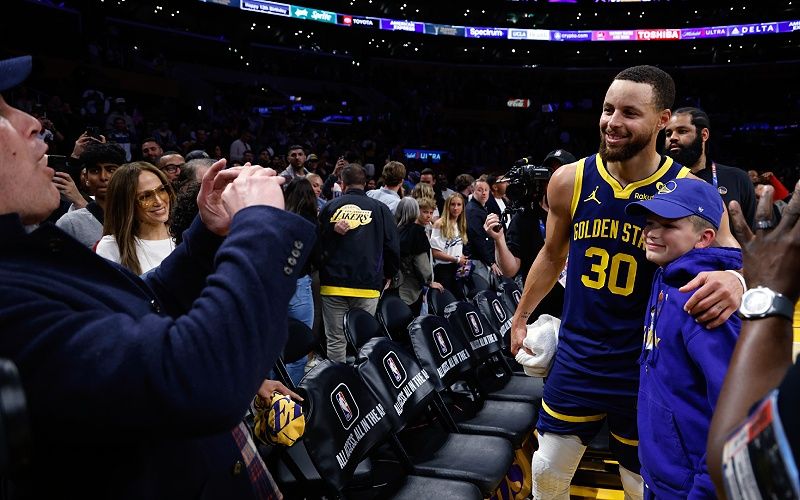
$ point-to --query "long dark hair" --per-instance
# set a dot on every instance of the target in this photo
(120, 211)
(300, 198)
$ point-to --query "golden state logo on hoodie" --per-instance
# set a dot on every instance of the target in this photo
(353, 215)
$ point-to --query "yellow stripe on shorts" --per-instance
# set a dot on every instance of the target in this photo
(629, 442)
(570, 418)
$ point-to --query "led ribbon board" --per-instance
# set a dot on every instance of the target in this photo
(383, 24)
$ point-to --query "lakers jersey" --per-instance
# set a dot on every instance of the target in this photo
(608, 278)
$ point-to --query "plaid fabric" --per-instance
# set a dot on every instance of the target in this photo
(264, 486)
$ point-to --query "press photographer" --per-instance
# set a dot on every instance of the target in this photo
(516, 248)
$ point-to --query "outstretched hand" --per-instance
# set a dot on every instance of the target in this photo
(741, 231)
(772, 257)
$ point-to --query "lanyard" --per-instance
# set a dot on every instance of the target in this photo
(714, 174)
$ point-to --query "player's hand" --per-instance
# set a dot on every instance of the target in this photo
(718, 296)
(519, 330)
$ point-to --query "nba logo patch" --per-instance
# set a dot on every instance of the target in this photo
(345, 405)
(497, 307)
(517, 296)
(474, 323)
(391, 363)
(442, 342)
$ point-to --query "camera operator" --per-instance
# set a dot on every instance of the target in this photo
(516, 248)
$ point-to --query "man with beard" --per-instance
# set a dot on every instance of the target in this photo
(687, 135)
(297, 159)
(595, 374)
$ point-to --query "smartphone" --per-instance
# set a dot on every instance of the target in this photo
(93, 132)
(57, 162)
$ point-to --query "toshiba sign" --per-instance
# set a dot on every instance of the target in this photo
(519, 103)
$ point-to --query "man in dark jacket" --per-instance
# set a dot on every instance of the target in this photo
(360, 253)
(480, 246)
(136, 389)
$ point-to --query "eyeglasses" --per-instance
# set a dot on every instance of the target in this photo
(147, 198)
(171, 169)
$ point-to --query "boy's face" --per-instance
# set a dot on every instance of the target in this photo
(425, 216)
(667, 239)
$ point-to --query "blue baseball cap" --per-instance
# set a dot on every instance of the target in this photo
(680, 198)
(14, 71)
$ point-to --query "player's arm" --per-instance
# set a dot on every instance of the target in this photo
(718, 293)
(551, 258)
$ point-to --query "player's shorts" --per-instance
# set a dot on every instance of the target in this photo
(567, 418)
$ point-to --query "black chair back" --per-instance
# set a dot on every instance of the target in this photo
(443, 354)
(395, 316)
(509, 293)
(344, 421)
(396, 379)
(490, 305)
(481, 336)
(299, 342)
(439, 299)
(474, 284)
(360, 326)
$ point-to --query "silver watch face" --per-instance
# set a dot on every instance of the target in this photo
(756, 301)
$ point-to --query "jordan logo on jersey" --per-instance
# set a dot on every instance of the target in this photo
(593, 196)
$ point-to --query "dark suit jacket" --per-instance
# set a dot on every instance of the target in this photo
(134, 386)
(480, 245)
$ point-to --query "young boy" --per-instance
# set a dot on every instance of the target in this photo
(426, 208)
(682, 363)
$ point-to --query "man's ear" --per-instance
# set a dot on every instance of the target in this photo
(705, 134)
(663, 119)
(706, 238)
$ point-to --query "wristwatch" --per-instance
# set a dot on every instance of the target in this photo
(761, 302)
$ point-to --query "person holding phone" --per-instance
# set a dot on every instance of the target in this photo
(100, 161)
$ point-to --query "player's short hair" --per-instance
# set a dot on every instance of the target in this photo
(663, 85)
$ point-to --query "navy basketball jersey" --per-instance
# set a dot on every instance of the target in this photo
(608, 276)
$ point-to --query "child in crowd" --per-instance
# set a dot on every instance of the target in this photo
(683, 364)
(427, 206)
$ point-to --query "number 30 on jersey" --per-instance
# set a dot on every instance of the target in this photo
(617, 272)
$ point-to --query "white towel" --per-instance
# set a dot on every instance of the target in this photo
(541, 340)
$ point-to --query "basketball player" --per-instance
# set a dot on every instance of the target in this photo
(595, 375)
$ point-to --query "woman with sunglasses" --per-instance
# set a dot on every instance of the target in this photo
(136, 218)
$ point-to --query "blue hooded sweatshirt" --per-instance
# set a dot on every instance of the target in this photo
(682, 368)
